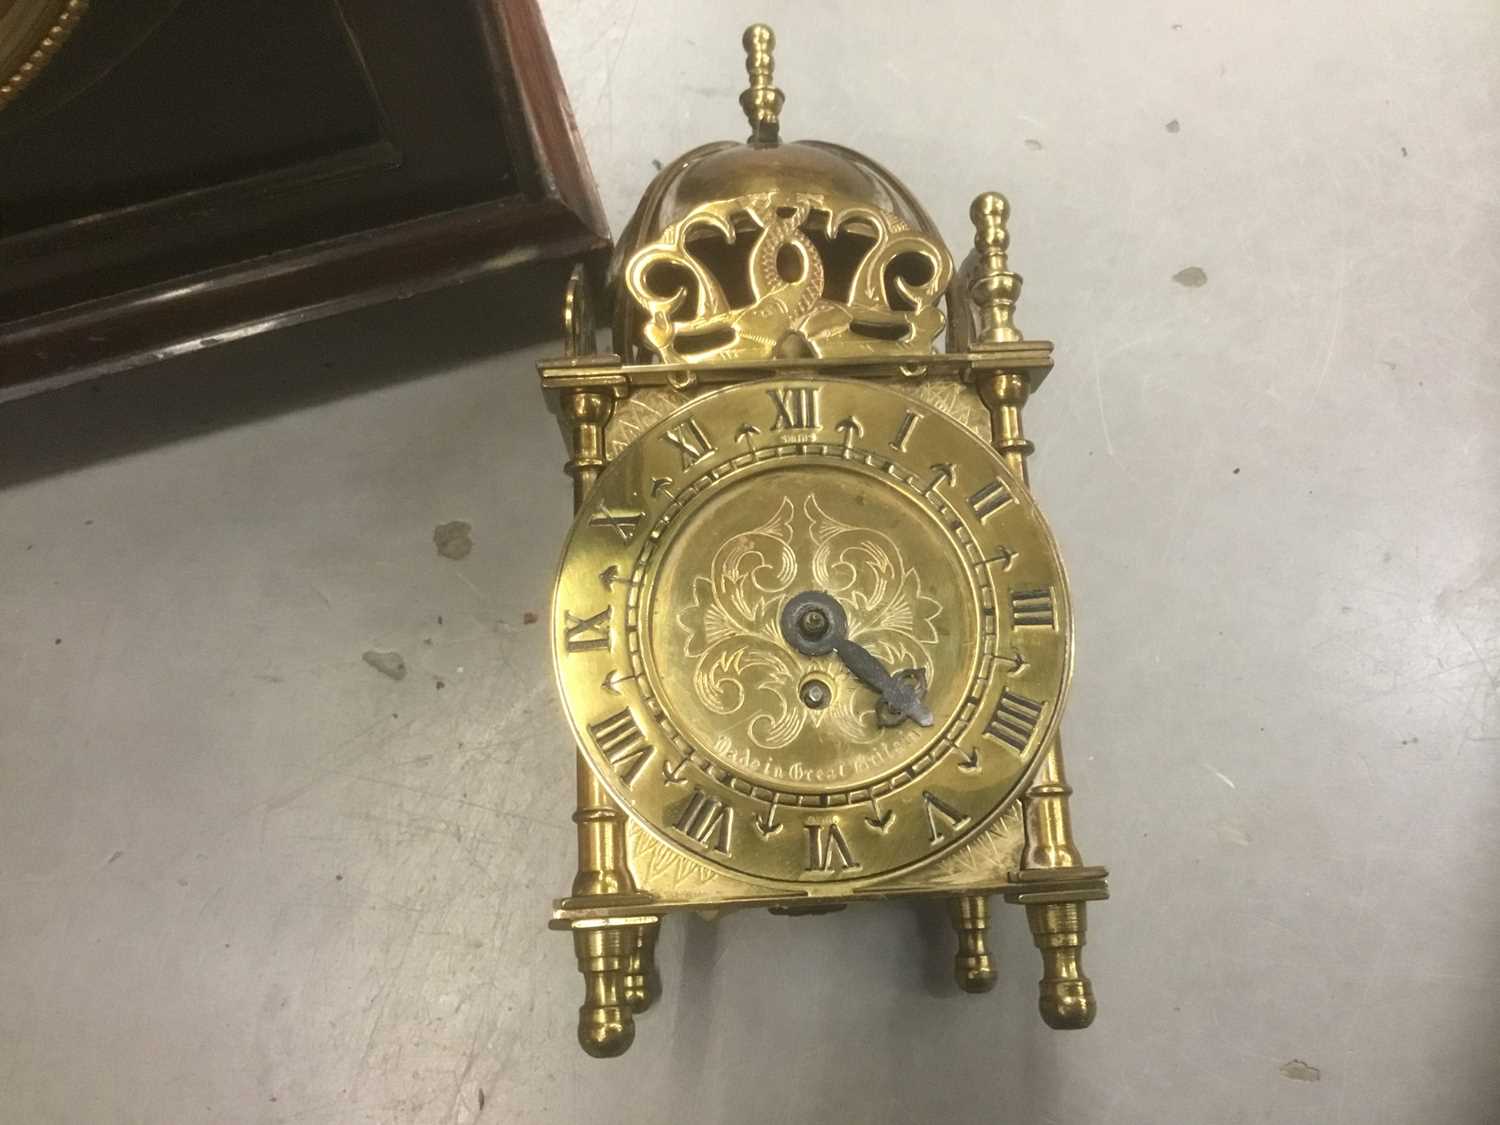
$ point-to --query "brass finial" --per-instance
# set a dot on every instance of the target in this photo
(761, 100)
(993, 289)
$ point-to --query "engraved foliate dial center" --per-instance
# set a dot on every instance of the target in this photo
(795, 717)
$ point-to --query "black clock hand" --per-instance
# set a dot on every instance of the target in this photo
(898, 694)
(814, 624)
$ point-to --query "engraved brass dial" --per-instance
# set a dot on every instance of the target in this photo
(779, 761)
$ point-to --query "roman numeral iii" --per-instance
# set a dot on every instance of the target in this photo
(1031, 607)
(796, 408)
(622, 742)
(1014, 721)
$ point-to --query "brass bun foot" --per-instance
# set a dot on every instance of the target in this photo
(641, 980)
(1067, 1005)
(1066, 998)
(973, 967)
(605, 1033)
(606, 1024)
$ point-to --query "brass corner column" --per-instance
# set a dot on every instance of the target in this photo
(1055, 884)
(615, 956)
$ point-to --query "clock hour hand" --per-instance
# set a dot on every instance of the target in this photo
(898, 694)
(815, 624)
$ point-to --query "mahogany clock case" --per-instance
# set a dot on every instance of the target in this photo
(184, 172)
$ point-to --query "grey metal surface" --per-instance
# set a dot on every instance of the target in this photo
(246, 876)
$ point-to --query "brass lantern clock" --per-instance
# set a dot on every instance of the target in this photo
(811, 631)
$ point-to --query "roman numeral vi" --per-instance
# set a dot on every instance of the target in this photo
(827, 850)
